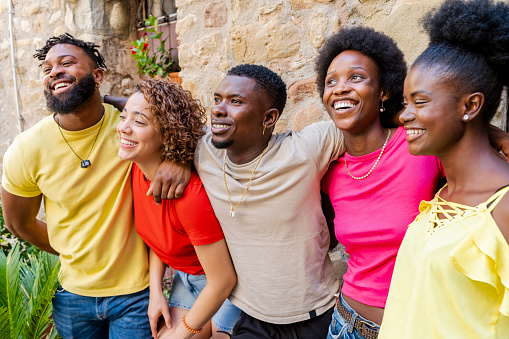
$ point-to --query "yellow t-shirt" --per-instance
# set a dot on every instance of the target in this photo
(451, 278)
(89, 211)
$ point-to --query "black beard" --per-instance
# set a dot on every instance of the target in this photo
(222, 144)
(71, 100)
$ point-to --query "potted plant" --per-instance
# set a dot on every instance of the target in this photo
(157, 63)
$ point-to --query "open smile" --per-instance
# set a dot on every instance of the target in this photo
(414, 133)
(127, 143)
(218, 128)
(61, 86)
(342, 106)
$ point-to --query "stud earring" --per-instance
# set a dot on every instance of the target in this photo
(465, 117)
(166, 148)
(382, 109)
(264, 127)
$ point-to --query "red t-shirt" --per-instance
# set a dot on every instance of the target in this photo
(174, 228)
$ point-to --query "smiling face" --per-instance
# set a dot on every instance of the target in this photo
(433, 113)
(140, 139)
(352, 92)
(238, 114)
(69, 78)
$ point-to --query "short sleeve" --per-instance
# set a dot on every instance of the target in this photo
(324, 142)
(16, 178)
(196, 215)
(483, 255)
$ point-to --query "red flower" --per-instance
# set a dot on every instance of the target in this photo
(131, 48)
(145, 46)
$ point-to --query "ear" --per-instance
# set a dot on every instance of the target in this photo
(98, 75)
(473, 104)
(271, 117)
(384, 95)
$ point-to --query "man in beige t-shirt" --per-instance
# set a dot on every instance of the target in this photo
(265, 191)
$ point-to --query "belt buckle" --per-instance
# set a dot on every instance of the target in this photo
(366, 329)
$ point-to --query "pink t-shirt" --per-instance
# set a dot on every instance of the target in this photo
(372, 214)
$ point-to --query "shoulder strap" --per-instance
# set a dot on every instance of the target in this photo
(495, 198)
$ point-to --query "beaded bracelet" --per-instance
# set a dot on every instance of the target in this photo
(187, 326)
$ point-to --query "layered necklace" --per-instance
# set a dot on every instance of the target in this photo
(376, 162)
(84, 162)
(232, 209)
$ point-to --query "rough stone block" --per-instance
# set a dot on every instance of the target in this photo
(307, 116)
(215, 14)
(302, 89)
(317, 25)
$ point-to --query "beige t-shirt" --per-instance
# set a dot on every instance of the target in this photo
(279, 238)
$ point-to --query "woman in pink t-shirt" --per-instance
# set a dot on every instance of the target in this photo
(376, 186)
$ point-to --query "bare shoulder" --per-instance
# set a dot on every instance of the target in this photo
(501, 216)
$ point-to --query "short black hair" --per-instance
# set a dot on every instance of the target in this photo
(381, 49)
(88, 47)
(469, 46)
(268, 81)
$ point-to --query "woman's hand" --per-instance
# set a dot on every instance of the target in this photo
(157, 307)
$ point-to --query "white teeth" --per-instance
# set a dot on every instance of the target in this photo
(62, 84)
(220, 126)
(415, 131)
(343, 104)
(127, 142)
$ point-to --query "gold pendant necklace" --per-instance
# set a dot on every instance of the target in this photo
(232, 211)
(84, 162)
(376, 162)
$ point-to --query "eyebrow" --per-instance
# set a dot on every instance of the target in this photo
(138, 113)
(231, 95)
(413, 94)
(355, 67)
(59, 57)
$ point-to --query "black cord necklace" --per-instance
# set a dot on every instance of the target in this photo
(84, 162)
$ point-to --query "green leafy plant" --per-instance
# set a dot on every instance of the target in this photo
(26, 290)
(157, 63)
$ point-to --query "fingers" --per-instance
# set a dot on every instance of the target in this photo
(167, 317)
(155, 190)
(168, 190)
(153, 326)
(179, 191)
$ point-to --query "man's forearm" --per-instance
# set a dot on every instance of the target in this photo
(36, 234)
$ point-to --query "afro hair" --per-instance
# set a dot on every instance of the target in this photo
(469, 45)
(379, 47)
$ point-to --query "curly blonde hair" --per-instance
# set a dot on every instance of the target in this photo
(179, 116)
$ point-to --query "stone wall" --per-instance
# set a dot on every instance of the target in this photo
(110, 23)
(284, 35)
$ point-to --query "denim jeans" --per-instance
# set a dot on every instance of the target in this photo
(340, 329)
(185, 290)
(123, 316)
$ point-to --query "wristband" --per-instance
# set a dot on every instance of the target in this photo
(187, 326)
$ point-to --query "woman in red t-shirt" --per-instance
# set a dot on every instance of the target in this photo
(161, 121)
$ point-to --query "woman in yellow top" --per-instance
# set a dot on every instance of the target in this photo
(451, 278)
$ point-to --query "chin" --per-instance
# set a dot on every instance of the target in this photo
(221, 144)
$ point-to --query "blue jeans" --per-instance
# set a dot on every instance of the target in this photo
(340, 329)
(185, 290)
(123, 316)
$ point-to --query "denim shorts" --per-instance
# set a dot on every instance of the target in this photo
(116, 317)
(340, 329)
(185, 290)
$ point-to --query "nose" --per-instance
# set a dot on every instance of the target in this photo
(407, 115)
(55, 71)
(219, 109)
(124, 127)
(341, 87)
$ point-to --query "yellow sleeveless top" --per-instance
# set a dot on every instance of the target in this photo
(451, 278)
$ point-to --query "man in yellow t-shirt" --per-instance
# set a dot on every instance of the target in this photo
(70, 160)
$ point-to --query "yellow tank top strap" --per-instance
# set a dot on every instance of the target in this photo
(495, 198)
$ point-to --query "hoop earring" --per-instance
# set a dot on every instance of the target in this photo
(264, 127)
(382, 109)
(465, 117)
(98, 85)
